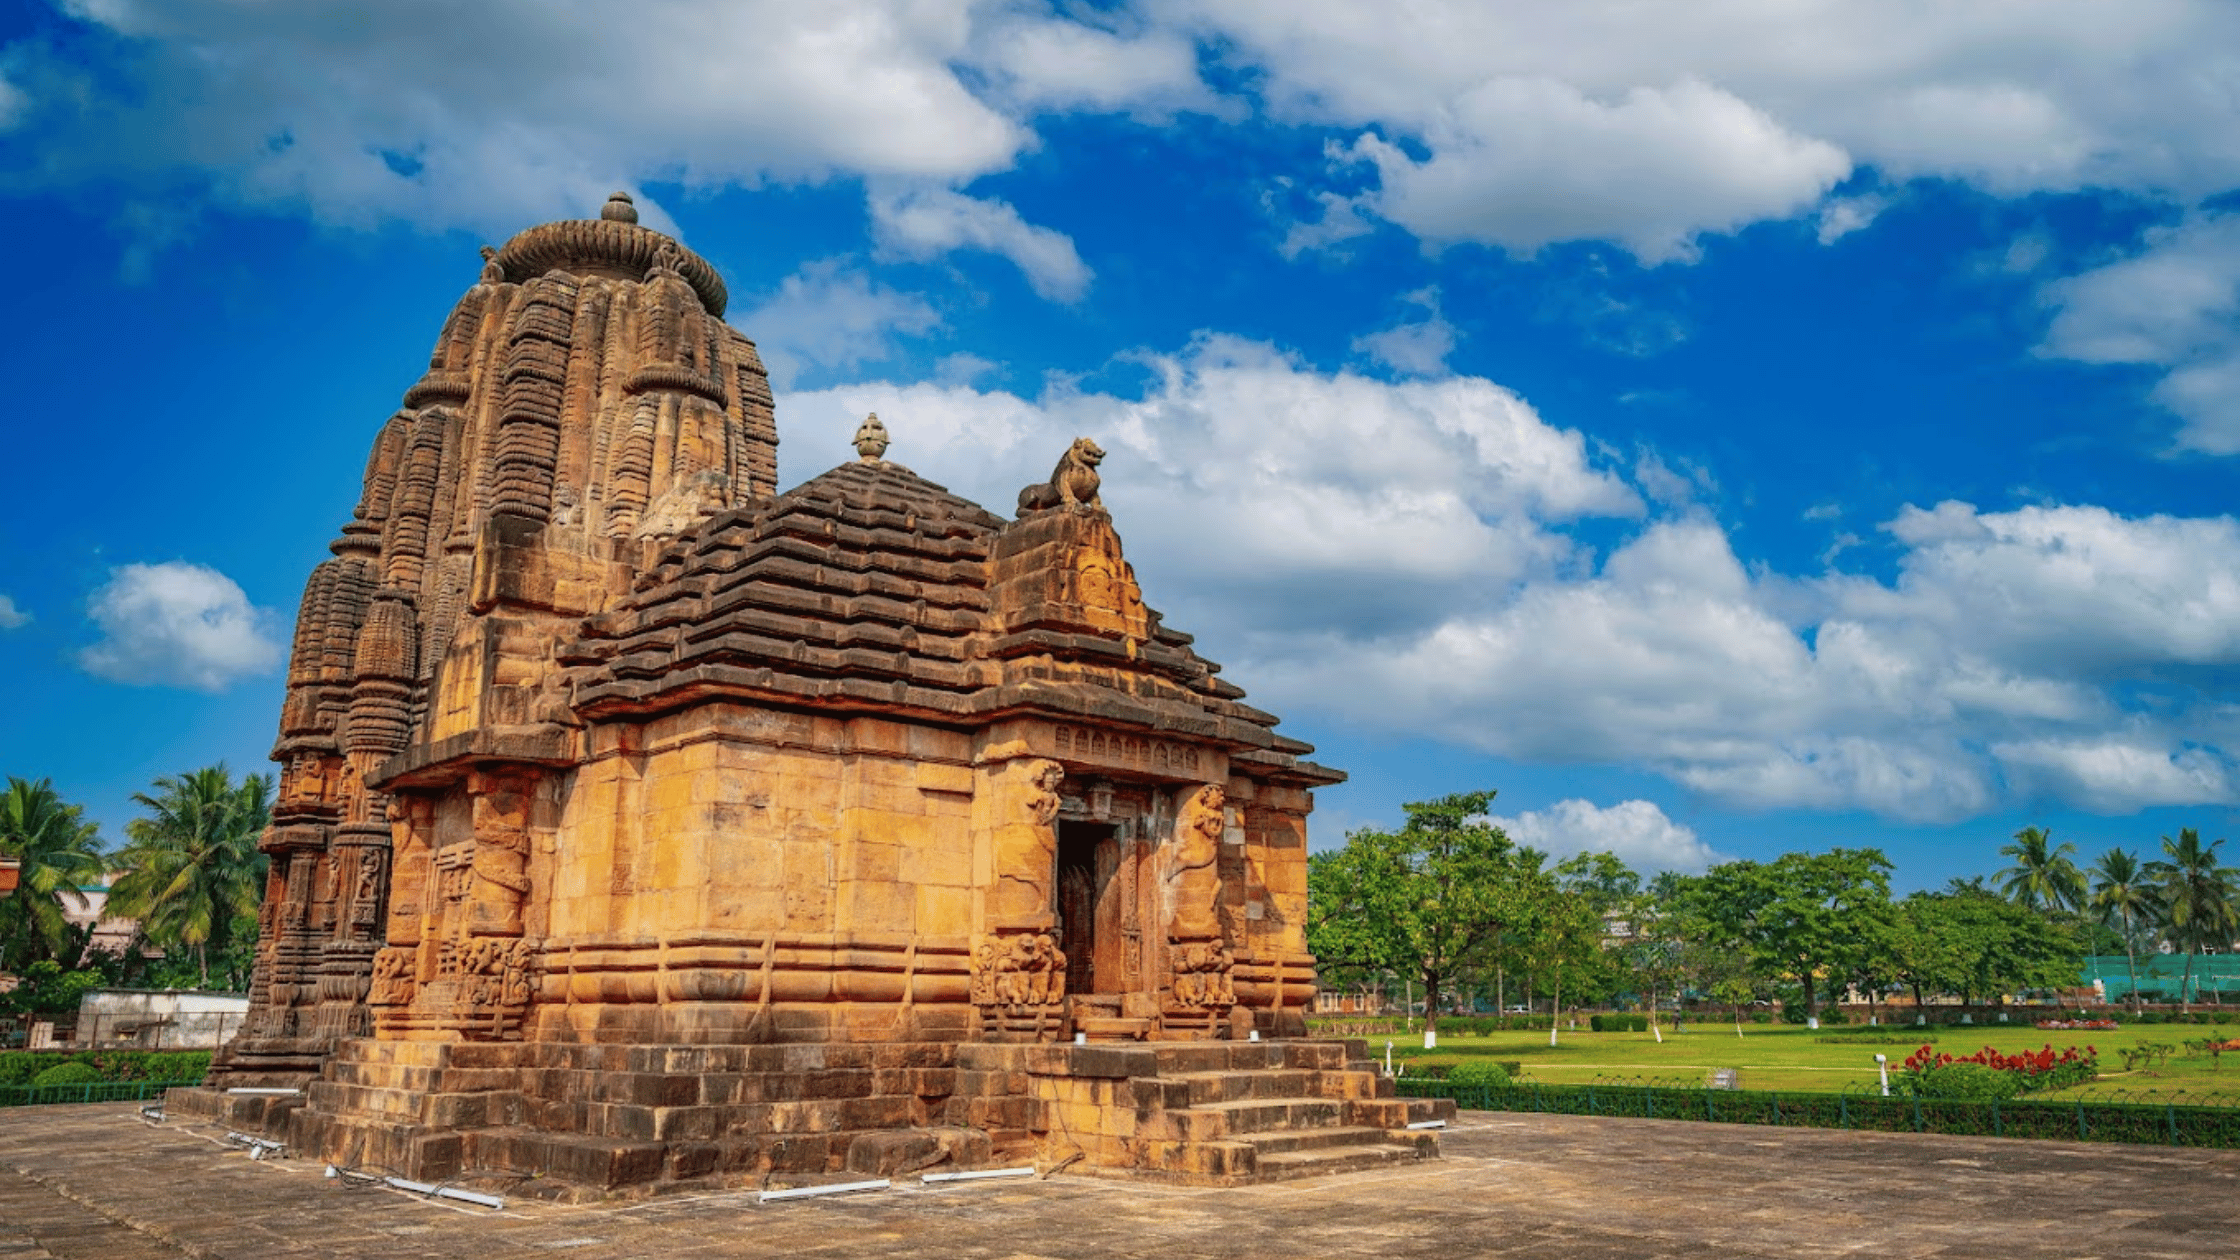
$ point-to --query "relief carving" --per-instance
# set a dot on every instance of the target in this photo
(394, 981)
(1192, 871)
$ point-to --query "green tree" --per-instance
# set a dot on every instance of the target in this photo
(2043, 877)
(193, 875)
(60, 851)
(1998, 945)
(2200, 899)
(1797, 917)
(1423, 901)
(2122, 892)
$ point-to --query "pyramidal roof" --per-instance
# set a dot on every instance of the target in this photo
(870, 589)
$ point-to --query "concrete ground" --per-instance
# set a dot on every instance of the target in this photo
(95, 1183)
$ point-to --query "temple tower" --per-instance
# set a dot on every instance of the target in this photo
(641, 823)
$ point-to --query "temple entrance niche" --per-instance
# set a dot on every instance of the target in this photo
(1091, 917)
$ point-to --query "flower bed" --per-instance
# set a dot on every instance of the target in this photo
(1989, 1073)
(2078, 1025)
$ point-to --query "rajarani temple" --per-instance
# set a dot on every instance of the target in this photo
(641, 824)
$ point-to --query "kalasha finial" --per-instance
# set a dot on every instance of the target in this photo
(619, 209)
(871, 439)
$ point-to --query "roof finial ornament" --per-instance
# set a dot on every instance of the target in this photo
(619, 208)
(492, 272)
(871, 439)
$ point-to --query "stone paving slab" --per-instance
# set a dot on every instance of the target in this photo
(95, 1183)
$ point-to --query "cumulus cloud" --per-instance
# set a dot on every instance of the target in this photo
(490, 115)
(176, 625)
(923, 222)
(2176, 305)
(831, 314)
(1509, 124)
(1522, 163)
(1407, 556)
(1658, 124)
(1413, 347)
(12, 617)
(1637, 831)
(1371, 500)
(1038, 63)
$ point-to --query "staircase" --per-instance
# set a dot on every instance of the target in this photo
(1272, 1111)
(1200, 1112)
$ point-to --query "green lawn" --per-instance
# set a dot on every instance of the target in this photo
(1786, 1057)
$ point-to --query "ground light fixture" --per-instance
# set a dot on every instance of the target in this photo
(1882, 1065)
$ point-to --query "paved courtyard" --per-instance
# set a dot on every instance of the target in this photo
(95, 1183)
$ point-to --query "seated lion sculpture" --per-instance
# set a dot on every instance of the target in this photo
(1073, 484)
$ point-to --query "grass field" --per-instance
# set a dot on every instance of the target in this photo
(1790, 1058)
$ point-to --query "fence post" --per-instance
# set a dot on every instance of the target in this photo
(1777, 1109)
(1998, 1126)
(2080, 1120)
(2171, 1111)
(1590, 1100)
(1843, 1111)
(1917, 1115)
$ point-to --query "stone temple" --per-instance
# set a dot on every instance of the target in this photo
(641, 824)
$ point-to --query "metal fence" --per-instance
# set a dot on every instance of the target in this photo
(88, 1092)
(2168, 1123)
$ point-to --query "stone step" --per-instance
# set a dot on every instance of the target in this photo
(1116, 1029)
(1229, 1086)
(1399, 1113)
(1330, 1161)
(1312, 1139)
(1260, 1115)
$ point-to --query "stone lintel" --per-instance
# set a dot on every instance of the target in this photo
(447, 761)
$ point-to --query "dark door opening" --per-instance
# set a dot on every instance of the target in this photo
(1088, 861)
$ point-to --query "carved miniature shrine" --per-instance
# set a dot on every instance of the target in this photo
(639, 823)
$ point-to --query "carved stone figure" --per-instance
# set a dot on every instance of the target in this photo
(1073, 484)
(1197, 847)
(871, 439)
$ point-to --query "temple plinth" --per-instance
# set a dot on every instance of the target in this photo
(641, 824)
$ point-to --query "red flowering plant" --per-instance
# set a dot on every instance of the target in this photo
(1988, 1073)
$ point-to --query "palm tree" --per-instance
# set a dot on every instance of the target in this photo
(193, 864)
(2121, 890)
(2200, 899)
(2043, 877)
(59, 851)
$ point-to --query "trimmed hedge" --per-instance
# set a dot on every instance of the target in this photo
(23, 1067)
(1619, 1023)
(2153, 1124)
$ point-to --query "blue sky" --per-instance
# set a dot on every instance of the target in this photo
(1722, 428)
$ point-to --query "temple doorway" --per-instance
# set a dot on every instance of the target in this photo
(1088, 907)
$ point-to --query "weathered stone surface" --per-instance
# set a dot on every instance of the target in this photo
(87, 1183)
(598, 752)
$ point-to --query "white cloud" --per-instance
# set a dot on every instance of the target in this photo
(1841, 216)
(832, 315)
(1374, 501)
(1413, 347)
(1403, 556)
(1637, 831)
(12, 617)
(492, 115)
(13, 104)
(1343, 218)
(1660, 123)
(1051, 64)
(2175, 304)
(179, 625)
(1525, 162)
(923, 222)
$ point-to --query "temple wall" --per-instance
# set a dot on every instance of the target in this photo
(737, 874)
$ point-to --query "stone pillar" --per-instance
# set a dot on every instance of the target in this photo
(1018, 971)
(1199, 995)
